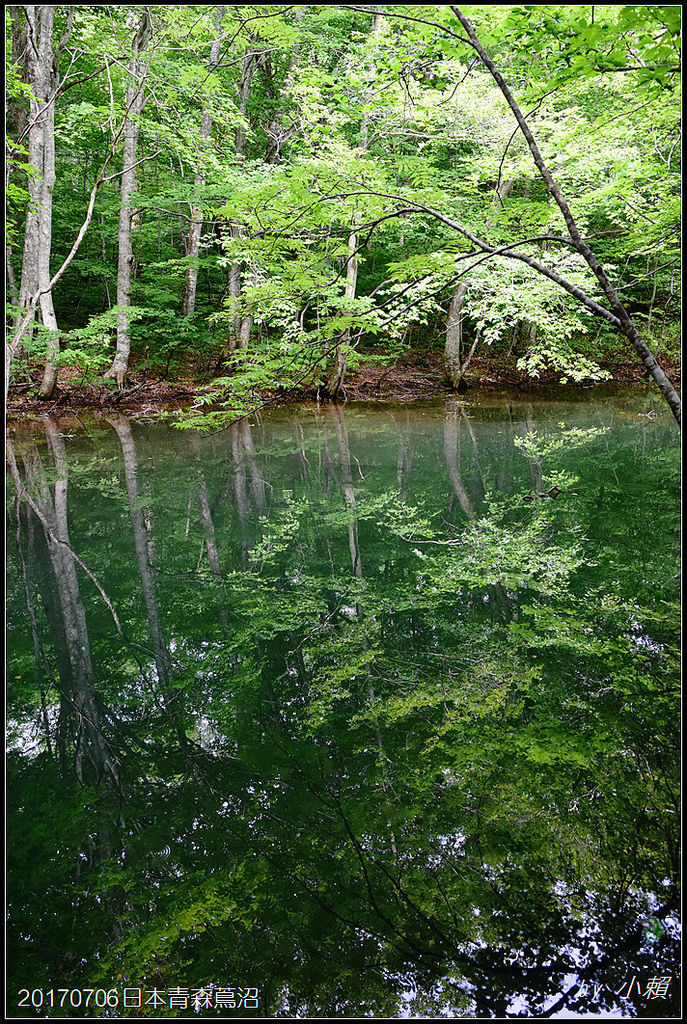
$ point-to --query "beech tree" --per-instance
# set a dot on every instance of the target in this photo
(336, 376)
(40, 59)
(188, 304)
(135, 99)
(238, 333)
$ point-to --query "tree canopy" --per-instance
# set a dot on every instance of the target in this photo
(267, 195)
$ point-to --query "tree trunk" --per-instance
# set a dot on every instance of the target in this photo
(16, 108)
(238, 334)
(196, 225)
(453, 350)
(335, 380)
(49, 382)
(454, 367)
(338, 373)
(29, 269)
(134, 105)
(41, 78)
(235, 337)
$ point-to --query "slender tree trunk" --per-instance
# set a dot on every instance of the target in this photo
(454, 366)
(241, 323)
(196, 225)
(29, 269)
(336, 377)
(453, 350)
(16, 108)
(245, 324)
(49, 382)
(11, 279)
(335, 380)
(238, 334)
(134, 103)
(35, 274)
(42, 75)
(233, 335)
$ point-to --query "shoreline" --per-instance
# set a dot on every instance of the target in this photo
(415, 380)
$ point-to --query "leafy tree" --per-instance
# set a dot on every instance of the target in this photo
(513, 180)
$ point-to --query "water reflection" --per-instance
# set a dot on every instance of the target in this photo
(322, 706)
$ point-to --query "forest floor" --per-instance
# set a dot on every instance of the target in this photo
(419, 377)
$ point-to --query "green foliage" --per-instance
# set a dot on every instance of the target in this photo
(542, 446)
(359, 127)
(89, 349)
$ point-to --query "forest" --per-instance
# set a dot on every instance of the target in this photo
(262, 201)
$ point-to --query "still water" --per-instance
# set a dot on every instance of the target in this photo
(345, 712)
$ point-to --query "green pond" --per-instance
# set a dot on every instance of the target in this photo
(338, 712)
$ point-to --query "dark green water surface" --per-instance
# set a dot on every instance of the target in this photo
(333, 705)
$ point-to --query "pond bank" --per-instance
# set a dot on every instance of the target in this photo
(418, 378)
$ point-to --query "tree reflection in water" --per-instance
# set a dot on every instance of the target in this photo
(371, 735)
